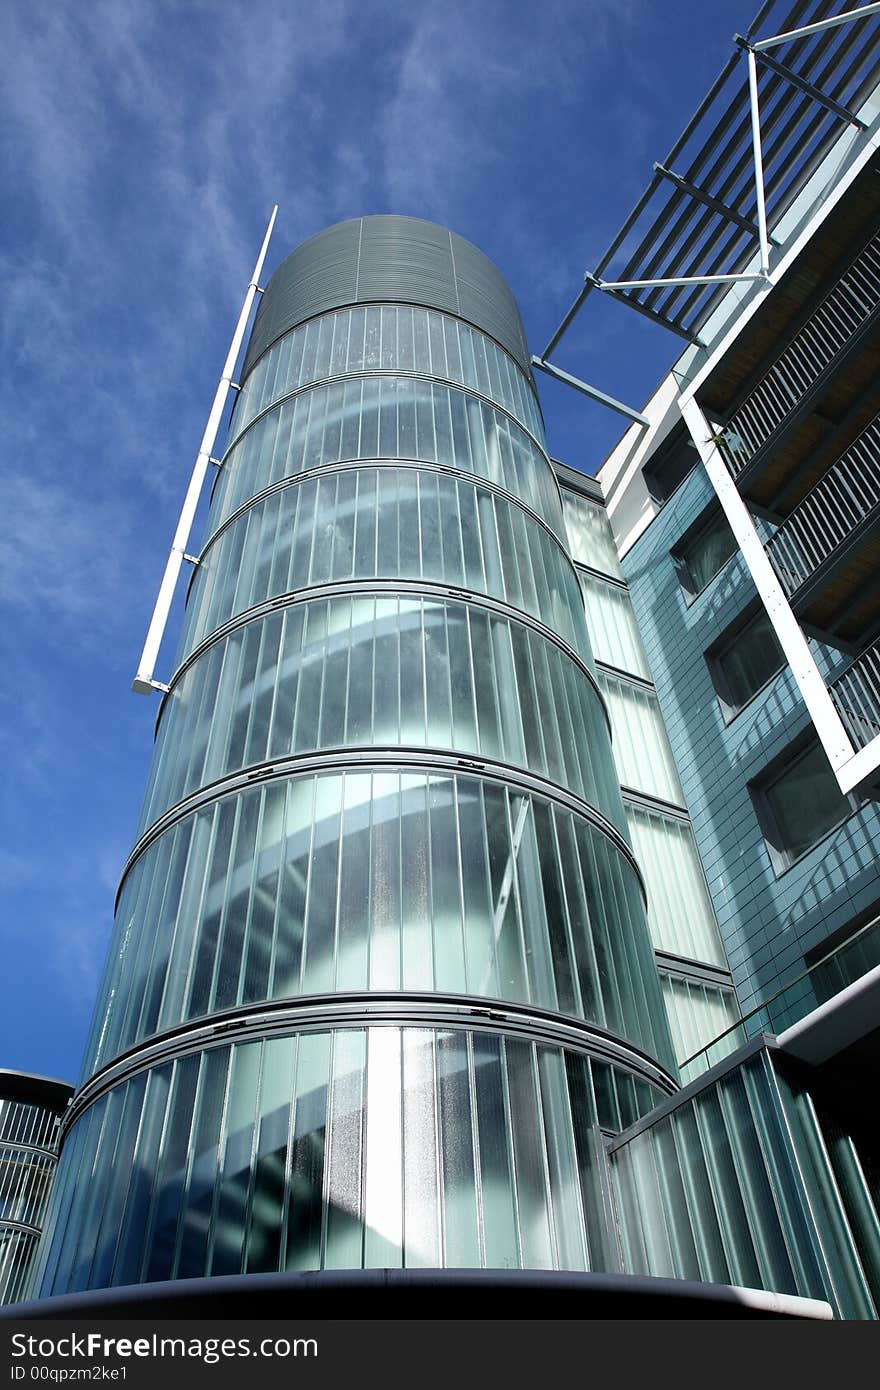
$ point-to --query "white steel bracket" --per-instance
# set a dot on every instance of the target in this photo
(592, 392)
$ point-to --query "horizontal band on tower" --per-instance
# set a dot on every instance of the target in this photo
(386, 759)
(384, 374)
(386, 588)
(365, 1009)
(416, 465)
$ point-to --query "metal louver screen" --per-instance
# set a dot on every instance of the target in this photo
(401, 259)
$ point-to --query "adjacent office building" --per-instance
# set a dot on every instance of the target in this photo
(30, 1114)
(503, 895)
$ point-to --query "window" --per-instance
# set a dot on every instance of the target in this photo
(798, 803)
(590, 538)
(703, 552)
(680, 916)
(611, 623)
(639, 742)
(846, 954)
(742, 663)
(698, 1013)
(669, 467)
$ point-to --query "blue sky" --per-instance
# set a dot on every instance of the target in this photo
(143, 144)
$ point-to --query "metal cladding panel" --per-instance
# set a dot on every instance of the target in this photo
(319, 275)
(394, 260)
(404, 259)
(486, 300)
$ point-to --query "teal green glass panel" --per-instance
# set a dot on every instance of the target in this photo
(754, 1186)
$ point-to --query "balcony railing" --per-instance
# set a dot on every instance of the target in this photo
(856, 695)
(841, 500)
(832, 972)
(808, 356)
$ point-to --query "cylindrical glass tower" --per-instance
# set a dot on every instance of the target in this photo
(381, 973)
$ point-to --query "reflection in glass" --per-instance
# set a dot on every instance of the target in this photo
(379, 880)
(805, 802)
(381, 338)
(747, 661)
(375, 1148)
(705, 554)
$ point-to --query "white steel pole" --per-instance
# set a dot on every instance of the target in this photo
(675, 280)
(144, 681)
(759, 164)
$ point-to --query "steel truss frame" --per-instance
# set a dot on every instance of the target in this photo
(756, 51)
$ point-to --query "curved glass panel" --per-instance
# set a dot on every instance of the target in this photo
(366, 671)
(360, 1148)
(385, 523)
(642, 753)
(379, 881)
(18, 1251)
(24, 1182)
(382, 338)
(393, 418)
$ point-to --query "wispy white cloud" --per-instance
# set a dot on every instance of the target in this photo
(478, 91)
(62, 554)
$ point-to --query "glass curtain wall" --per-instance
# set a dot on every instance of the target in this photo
(30, 1115)
(699, 997)
(383, 784)
(746, 1182)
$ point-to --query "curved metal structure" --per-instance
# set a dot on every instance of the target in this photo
(30, 1114)
(381, 974)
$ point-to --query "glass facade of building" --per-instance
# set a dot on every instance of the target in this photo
(381, 974)
(749, 1180)
(694, 974)
(30, 1115)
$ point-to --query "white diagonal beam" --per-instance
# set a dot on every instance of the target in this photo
(810, 681)
(763, 239)
(816, 28)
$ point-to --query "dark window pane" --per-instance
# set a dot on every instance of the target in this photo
(805, 802)
(705, 554)
(664, 476)
(748, 661)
